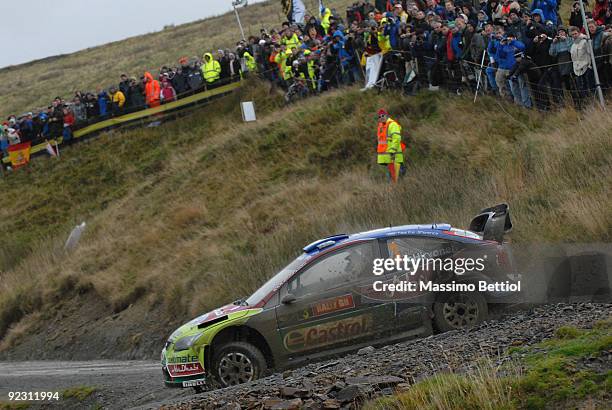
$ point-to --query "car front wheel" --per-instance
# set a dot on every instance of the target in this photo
(237, 363)
(459, 310)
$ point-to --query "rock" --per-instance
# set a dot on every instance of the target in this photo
(331, 404)
(293, 392)
(350, 394)
(287, 374)
(277, 404)
(308, 385)
(366, 350)
(327, 365)
(320, 397)
(402, 387)
(377, 381)
(312, 405)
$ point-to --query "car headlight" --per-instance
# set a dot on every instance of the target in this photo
(186, 342)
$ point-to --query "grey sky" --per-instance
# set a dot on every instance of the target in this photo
(33, 29)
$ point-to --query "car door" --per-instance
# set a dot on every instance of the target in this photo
(423, 251)
(329, 312)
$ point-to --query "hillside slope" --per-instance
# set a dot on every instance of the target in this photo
(200, 211)
(35, 84)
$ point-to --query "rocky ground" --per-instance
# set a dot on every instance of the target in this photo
(341, 383)
(349, 381)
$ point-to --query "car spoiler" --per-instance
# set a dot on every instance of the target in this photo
(492, 223)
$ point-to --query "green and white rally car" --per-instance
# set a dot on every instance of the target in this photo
(322, 304)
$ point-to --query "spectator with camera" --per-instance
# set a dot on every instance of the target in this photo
(538, 52)
(582, 64)
(562, 70)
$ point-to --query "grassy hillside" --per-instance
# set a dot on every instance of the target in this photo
(192, 214)
(35, 84)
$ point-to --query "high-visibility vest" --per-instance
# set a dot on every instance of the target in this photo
(382, 137)
(250, 61)
(382, 148)
(285, 69)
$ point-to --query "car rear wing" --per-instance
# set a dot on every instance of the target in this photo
(492, 223)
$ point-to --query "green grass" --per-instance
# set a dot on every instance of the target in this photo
(79, 393)
(555, 375)
(14, 406)
(547, 375)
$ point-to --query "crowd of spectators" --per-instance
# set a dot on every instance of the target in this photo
(525, 52)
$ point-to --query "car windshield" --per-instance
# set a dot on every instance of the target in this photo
(277, 280)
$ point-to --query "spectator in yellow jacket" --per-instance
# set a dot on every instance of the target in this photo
(211, 69)
(117, 100)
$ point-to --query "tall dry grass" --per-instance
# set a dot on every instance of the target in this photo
(196, 213)
(482, 388)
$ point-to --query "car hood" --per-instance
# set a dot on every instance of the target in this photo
(211, 317)
(217, 313)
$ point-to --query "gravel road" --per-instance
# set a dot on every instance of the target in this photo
(337, 383)
(119, 384)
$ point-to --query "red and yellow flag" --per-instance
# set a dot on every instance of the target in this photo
(19, 154)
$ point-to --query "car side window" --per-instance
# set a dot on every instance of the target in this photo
(338, 268)
(417, 247)
(424, 249)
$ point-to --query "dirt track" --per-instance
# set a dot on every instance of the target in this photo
(119, 384)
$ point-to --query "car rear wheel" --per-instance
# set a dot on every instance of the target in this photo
(459, 310)
(237, 363)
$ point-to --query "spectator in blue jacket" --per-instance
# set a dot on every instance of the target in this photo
(548, 8)
(502, 51)
(392, 29)
(103, 102)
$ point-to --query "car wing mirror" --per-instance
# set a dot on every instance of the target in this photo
(288, 299)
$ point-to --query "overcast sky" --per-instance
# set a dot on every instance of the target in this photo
(33, 29)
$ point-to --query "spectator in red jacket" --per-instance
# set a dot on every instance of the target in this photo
(68, 124)
(168, 94)
(602, 13)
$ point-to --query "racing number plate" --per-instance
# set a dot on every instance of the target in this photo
(193, 383)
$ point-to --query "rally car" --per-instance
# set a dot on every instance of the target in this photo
(324, 303)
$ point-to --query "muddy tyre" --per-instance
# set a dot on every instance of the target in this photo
(237, 363)
(459, 310)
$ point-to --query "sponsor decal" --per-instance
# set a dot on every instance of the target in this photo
(182, 359)
(328, 333)
(333, 305)
(185, 369)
